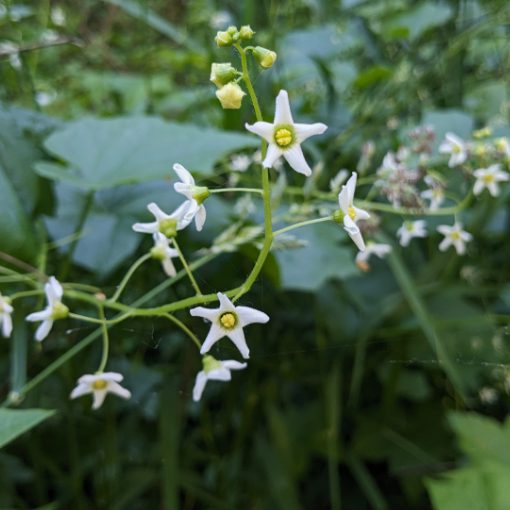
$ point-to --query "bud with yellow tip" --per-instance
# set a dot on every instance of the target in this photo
(222, 73)
(246, 32)
(223, 39)
(266, 58)
(230, 96)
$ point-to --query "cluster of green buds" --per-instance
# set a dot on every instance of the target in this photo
(225, 76)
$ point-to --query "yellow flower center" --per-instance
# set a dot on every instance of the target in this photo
(456, 149)
(99, 384)
(228, 320)
(168, 227)
(488, 179)
(352, 212)
(283, 137)
(455, 235)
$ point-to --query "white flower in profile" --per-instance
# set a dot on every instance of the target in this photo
(285, 137)
(228, 320)
(348, 214)
(488, 178)
(5, 316)
(167, 224)
(161, 251)
(457, 149)
(378, 249)
(100, 385)
(54, 310)
(195, 195)
(454, 236)
(214, 370)
(410, 229)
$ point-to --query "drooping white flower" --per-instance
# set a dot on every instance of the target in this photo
(54, 310)
(457, 149)
(349, 213)
(378, 249)
(161, 251)
(100, 385)
(167, 224)
(454, 236)
(214, 370)
(195, 195)
(228, 320)
(488, 178)
(410, 229)
(285, 137)
(5, 316)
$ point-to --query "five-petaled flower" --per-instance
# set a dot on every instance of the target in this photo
(348, 214)
(5, 316)
(167, 224)
(489, 178)
(214, 370)
(410, 229)
(456, 147)
(285, 137)
(161, 251)
(454, 236)
(228, 320)
(53, 311)
(378, 249)
(195, 195)
(99, 385)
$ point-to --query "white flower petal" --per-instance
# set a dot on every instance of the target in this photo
(283, 115)
(361, 214)
(80, 390)
(445, 244)
(157, 212)
(183, 189)
(237, 337)
(215, 334)
(168, 267)
(351, 187)
(296, 160)
(198, 388)
(263, 129)
(343, 200)
(249, 315)
(183, 174)
(233, 364)
(117, 389)
(53, 290)
(110, 376)
(39, 316)
(459, 246)
(444, 229)
(225, 303)
(493, 188)
(200, 217)
(146, 228)
(219, 374)
(6, 325)
(99, 396)
(273, 153)
(43, 329)
(304, 131)
(205, 313)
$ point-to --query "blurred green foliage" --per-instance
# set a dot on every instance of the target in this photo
(345, 404)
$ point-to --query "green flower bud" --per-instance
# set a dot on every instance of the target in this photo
(223, 39)
(223, 73)
(230, 96)
(266, 58)
(246, 32)
(158, 253)
(232, 30)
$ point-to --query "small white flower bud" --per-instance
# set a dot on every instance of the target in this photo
(230, 96)
(266, 58)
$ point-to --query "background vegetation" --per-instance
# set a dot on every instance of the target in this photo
(344, 404)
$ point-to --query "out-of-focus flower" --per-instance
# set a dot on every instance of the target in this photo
(378, 249)
(503, 146)
(54, 310)
(488, 178)
(5, 316)
(100, 385)
(285, 137)
(228, 320)
(348, 214)
(161, 251)
(338, 180)
(214, 370)
(240, 162)
(435, 194)
(457, 149)
(195, 195)
(454, 236)
(410, 229)
(167, 224)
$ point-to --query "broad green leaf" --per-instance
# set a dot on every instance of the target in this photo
(103, 153)
(308, 267)
(14, 422)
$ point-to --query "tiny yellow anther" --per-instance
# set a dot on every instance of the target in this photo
(228, 320)
(283, 137)
(100, 384)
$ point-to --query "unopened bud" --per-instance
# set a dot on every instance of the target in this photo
(158, 253)
(266, 58)
(230, 96)
(223, 73)
(482, 133)
(246, 32)
(223, 39)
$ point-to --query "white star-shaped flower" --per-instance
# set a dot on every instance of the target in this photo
(228, 320)
(410, 229)
(351, 214)
(167, 224)
(214, 370)
(5, 316)
(457, 149)
(378, 249)
(195, 195)
(161, 251)
(454, 236)
(100, 385)
(53, 311)
(488, 178)
(285, 137)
